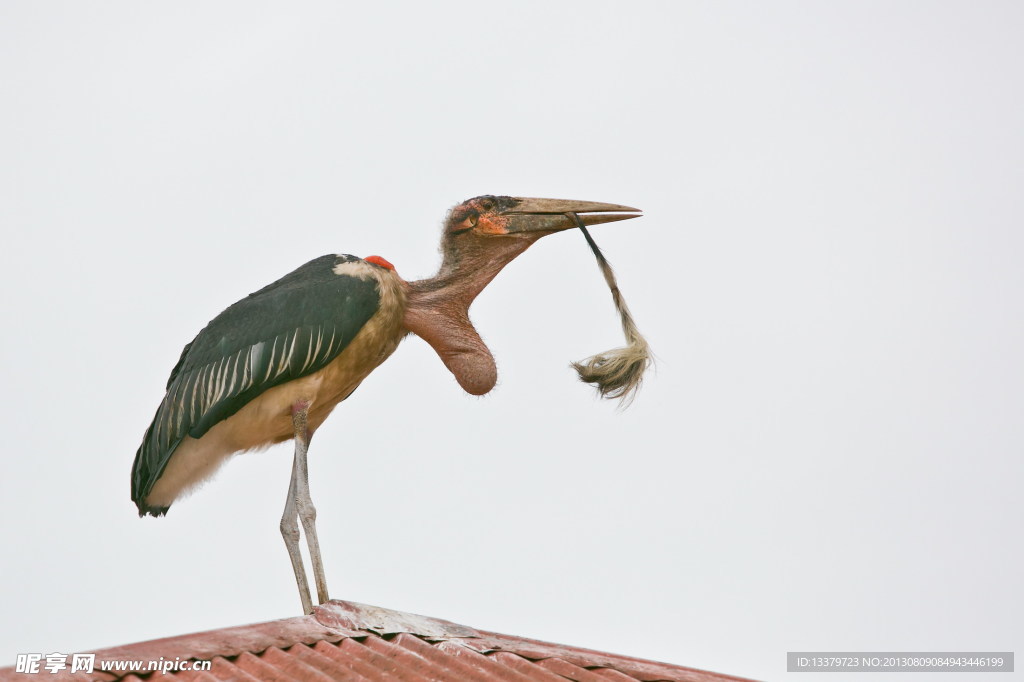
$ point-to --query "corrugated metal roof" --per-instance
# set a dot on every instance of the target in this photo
(349, 641)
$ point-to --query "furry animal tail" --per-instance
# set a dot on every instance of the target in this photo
(616, 373)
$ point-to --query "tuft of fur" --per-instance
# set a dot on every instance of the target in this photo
(617, 373)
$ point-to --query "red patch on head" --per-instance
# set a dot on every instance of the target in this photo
(493, 224)
(377, 260)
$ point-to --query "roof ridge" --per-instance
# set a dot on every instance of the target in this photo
(353, 616)
(336, 620)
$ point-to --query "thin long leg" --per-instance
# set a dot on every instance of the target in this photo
(290, 532)
(306, 510)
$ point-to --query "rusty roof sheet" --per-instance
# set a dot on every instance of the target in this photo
(349, 641)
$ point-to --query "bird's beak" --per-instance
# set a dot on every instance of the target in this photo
(553, 215)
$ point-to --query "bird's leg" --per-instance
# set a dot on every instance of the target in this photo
(304, 503)
(290, 531)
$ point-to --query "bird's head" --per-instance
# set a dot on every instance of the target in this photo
(495, 229)
(481, 236)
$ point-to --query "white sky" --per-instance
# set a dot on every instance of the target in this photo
(829, 270)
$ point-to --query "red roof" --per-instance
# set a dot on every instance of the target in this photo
(349, 641)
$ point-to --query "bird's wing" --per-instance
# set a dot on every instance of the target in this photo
(285, 331)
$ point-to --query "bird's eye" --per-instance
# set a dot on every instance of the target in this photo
(487, 204)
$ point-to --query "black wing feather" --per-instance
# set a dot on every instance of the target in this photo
(284, 331)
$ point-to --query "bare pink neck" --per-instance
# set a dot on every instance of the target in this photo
(438, 312)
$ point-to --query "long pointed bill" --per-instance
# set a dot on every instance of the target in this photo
(551, 215)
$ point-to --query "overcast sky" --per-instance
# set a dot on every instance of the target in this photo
(828, 458)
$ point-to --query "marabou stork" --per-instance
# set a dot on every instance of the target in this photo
(272, 366)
